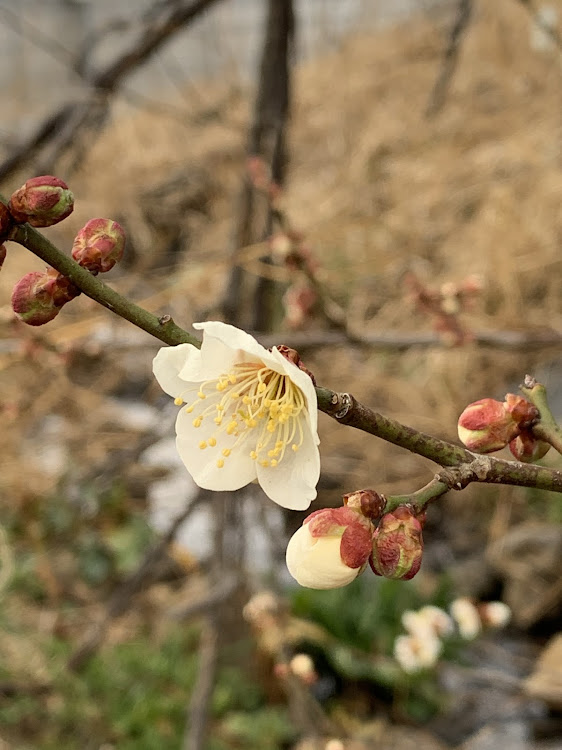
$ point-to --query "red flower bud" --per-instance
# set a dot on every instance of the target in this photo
(368, 502)
(99, 245)
(487, 425)
(38, 296)
(528, 449)
(42, 202)
(397, 545)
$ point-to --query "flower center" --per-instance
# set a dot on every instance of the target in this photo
(255, 409)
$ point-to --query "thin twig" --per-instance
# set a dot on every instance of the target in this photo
(196, 727)
(450, 58)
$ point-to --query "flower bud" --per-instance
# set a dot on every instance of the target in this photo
(42, 202)
(367, 502)
(330, 549)
(487, 425)
(522, 411)
(99, 245)
(465, 614)
(38, 296)
(397, 545)
(528, 449)
(2, 255)
(494, 614)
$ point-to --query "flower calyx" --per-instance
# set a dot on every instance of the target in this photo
(330, 549)
(397, 545)
(293, 356)
(41, 202)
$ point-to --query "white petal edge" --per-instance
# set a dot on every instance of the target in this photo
(292, 483)
(168, 364)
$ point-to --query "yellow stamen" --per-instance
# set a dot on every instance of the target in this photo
(212, 442)
(202, 444)
(178, 401)
(220, 463)
(197, 422)
(226, 452)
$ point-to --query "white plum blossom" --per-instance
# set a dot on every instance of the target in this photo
(466, 615)
(417, 652)
(246, 413)
(495, 614)
(330, 549)
(428, 619)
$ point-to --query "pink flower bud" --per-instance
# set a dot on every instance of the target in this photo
(397, 545)
(38, 296)
(527, 449)
(522, 411)
(487, 425)
(42, 202)
(330, 549)
(99, 245)
(2, 255)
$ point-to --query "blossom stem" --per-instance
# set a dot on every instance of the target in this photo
(341, 406)
(547, 428)
(420, 499)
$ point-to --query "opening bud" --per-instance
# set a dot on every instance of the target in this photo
(527, 449)
(487, 425)
(42, 202)
(99, 245)
(330, 549)
(38, 296)
(397, 545)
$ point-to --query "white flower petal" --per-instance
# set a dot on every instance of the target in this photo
(238, 469)
(232, 339)
(292, 483)
(168, 364)
(316, 562)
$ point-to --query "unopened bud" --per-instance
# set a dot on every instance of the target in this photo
(528, 449)
(42, 202)
(99, 245)
(38, 297)
(522, 411)
(368, 502)
(2, 255)
(397, 545)
(486, 426)
(330, 549)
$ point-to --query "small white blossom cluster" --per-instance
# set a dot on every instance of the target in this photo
(427, 628)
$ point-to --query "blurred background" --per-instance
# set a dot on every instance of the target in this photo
(376, 183)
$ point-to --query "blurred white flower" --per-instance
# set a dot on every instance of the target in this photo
(417, 652)
(495, 614)
(246, 413)
(330, 549)
(465, 614)
(428, 619)
(302, 666)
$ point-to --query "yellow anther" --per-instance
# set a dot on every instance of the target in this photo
(264, 463)
(217, 420)
(261, 387)
(220, 463)
(278, 445)
(220, 407)
(232, 377)
(212, 442)
(267, 403)
(226, 452)
(221, 385)
(201, 395)
(231, 427)
(271, 426)
(283, 419)
(274, 462)
(178, 401)
(234, 395)
(273, 453)
(246, 400)
(197, 421)
(253, 455)
(251, 422)
(287, 409)
(203, 445)
(189, 409)
(294, 447)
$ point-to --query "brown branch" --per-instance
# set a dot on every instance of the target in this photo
(450, 58)
(156, 30)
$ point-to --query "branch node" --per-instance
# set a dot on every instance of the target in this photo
(344, 402)
(164, 319)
